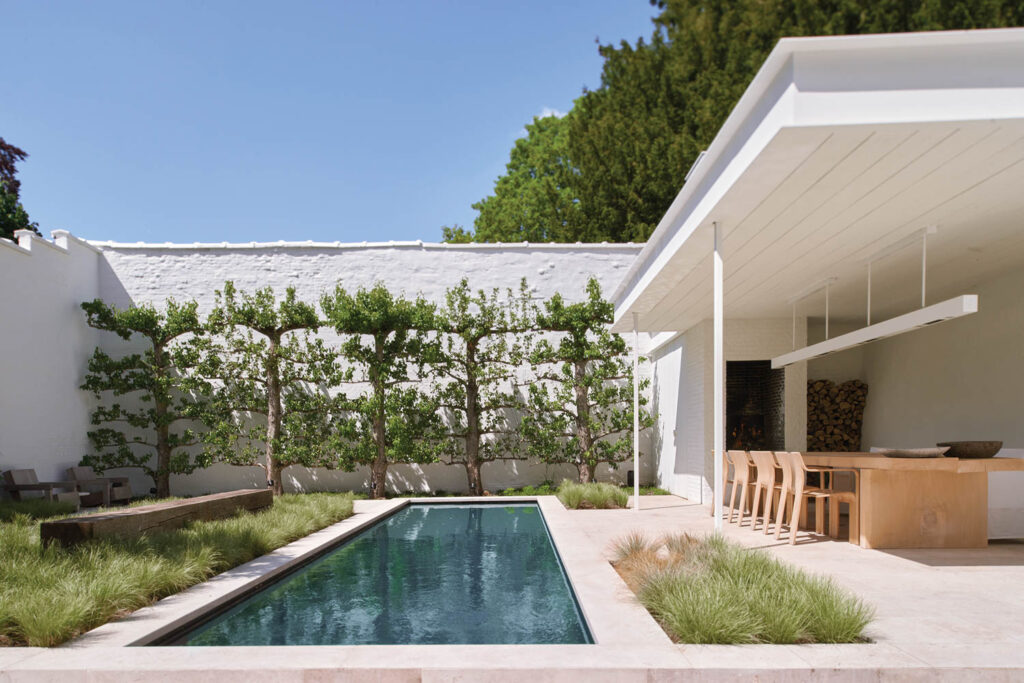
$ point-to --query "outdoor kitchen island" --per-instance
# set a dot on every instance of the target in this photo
(920, 502)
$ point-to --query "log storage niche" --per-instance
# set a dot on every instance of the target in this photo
(835, 414)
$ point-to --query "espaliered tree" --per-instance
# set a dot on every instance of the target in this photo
(272, 405)
(474, 375)
(143, 429)
(392, 420)
(580, 408)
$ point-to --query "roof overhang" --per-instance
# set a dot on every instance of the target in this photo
(840, 148)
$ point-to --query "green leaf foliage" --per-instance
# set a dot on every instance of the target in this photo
(391, 419)
(13, 215)
(535, 200)
(147, 400)
(581, 400)
(473, 377)
(621, 154)
(272, 402)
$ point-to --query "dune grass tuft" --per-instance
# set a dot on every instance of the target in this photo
(712, 591)
(48, 596)
(593, 495)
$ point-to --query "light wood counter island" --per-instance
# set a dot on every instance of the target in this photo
(920, 502)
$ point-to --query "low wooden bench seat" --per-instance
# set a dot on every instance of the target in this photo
(157, 517)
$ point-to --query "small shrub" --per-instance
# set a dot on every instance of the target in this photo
(631, 545)
(712, 591)
(594, 495)
(545, 488)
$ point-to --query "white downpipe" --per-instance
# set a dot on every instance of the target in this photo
(719, 361)
(636, 412)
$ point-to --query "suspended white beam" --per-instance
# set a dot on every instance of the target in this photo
(936, 313)
(636, 411)
(719, 361)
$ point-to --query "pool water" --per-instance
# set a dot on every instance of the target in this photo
(428, 574)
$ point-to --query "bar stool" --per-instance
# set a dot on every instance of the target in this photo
(795, 489)
(764, 488)
(741, 465)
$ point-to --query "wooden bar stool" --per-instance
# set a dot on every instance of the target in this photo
(764, 488)
(852, 499)
(741, 465)
(795, 493)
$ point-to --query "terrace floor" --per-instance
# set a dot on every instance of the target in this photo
(941, 615)
(949, 609)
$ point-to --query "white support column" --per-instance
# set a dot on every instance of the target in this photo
(719, 371)
(636, 412)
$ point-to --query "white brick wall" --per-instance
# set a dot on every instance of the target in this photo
(44, 342)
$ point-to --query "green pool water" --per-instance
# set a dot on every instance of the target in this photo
(428, 574)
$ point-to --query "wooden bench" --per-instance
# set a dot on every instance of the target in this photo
(157, 517)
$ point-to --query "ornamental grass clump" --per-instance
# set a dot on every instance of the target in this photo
(590, 496)
(708, 590)
(48, 596)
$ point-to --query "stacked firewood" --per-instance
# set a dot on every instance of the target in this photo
(835, 414)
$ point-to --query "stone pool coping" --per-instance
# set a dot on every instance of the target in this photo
(630, 646)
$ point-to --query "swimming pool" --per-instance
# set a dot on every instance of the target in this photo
(428, 574)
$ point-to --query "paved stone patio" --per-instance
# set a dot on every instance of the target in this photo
(941, 615)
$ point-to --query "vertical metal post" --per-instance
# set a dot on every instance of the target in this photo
(636, 412)
(794, 326)
(719, 361)
(826, 310)
(869, 292)
(924, 264)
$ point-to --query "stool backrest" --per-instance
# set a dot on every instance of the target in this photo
(765, 463)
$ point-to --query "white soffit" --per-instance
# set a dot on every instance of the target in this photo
(839, 148)
(929, 315)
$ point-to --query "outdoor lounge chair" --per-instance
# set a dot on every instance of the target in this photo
(100, 490)
(19, 482)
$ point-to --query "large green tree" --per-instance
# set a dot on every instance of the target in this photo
(534, 201)
(12, 214)
(474, 375)
(151, 429)
(580, 404)
(391, 419)
(630, 141)
(272, 405)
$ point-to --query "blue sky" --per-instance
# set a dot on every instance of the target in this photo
(253, 121)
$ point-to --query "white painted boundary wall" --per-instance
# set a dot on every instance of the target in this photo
(45, 344)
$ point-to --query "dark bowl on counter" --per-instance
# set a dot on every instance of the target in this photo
(971, 450)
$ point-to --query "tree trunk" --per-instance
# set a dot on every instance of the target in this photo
(473, 463)
(163, 446)
(379, 467)
(584, 464)
(273, 415)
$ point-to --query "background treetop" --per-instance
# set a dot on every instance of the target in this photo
(610, 169)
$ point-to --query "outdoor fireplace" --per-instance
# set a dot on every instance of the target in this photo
(755, 406)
